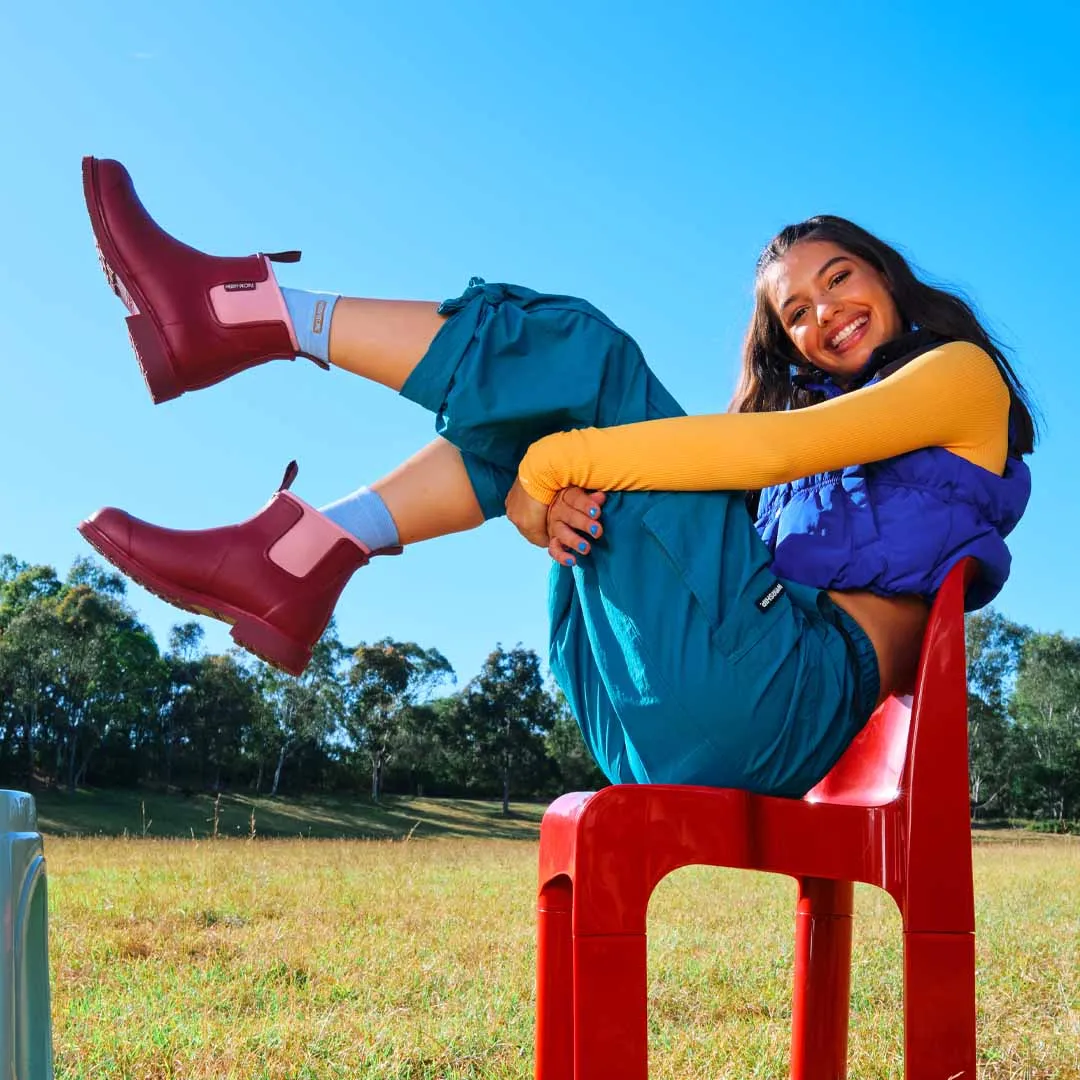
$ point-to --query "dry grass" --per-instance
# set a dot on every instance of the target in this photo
(414, 961)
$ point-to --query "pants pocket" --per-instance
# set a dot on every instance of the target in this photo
(710, 542)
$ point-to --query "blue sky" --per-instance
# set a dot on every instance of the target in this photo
(638, 155)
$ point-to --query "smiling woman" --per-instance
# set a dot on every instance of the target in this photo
(695, 644)
(837, 308)
(780, 369)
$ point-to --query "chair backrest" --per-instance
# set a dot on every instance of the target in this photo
(883, 758)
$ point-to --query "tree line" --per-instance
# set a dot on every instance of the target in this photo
(87, 697)
(1023, 722)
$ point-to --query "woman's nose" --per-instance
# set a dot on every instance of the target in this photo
(826, 309)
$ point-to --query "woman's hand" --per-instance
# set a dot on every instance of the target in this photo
(573, 522)
(528, 515)
(566, 527)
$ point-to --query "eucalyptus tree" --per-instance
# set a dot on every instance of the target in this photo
(510, 712)
(101, 666)
(565, 746)
(225, 704)
(994, 648)
(25, 710)
(298, 711)
(384, 682)
(176, 719)
(1047, 708)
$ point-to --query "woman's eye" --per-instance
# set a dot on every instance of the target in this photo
(837, 278)
(797, 314)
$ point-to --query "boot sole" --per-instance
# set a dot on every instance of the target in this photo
(148, 341)
(250, 632)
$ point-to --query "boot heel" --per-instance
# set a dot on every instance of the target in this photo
(152, 353)
(272, 645)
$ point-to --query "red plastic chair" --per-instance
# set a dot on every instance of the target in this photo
(893, 812)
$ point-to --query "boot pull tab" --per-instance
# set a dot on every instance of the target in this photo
(282, 256)
(290, 475)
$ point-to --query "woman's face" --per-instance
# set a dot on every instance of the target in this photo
(835, 306)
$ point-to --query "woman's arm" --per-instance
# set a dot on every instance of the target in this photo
(952, 396)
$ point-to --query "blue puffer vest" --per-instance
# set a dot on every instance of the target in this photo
(899, 525)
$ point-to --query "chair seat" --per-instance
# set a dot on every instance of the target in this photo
(675, 826)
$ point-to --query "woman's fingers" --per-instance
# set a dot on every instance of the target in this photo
(564, 554)
(579, 510)
(573, 525)
(560, 554)
(573, 541)
(588, 502)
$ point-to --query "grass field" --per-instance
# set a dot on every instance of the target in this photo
(413, 959)
(92, 812)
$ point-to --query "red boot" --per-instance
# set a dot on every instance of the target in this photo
(276, 577)
(195, 319)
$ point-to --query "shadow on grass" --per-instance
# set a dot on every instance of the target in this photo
(121, 813)
(93, 812)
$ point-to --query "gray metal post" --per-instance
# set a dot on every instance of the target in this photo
(25, 1024)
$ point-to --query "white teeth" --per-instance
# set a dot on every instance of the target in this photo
(848, 331)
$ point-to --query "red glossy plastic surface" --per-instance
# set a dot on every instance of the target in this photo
(228, 573)
(180, 344)
(893, 812)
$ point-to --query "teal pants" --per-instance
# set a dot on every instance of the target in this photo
(684, 658)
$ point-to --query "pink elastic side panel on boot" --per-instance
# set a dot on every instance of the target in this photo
(301, 549)
(239, 302)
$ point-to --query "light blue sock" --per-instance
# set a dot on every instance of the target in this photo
(311, 313)
(364, 514)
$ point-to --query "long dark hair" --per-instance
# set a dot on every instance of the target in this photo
(765, 383)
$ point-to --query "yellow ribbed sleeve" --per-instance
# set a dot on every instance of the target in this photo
(952, 396)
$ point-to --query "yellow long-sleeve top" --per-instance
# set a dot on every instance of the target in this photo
(952, 396)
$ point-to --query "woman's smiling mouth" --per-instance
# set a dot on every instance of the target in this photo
(848, 334)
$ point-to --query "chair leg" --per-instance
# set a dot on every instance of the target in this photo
(819, 1020)
(939, 1006)
(610, 1007)
(555, 982)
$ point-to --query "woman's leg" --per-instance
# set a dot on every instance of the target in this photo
(687, 661)
(382, 340)
(276, 577)
(500, 366)
(430, 495)
(196, 319)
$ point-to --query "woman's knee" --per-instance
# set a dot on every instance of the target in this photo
(528, 365)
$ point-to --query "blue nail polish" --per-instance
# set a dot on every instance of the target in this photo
(594, 529)
(582, 546)
(570, 561)
(592, 511)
